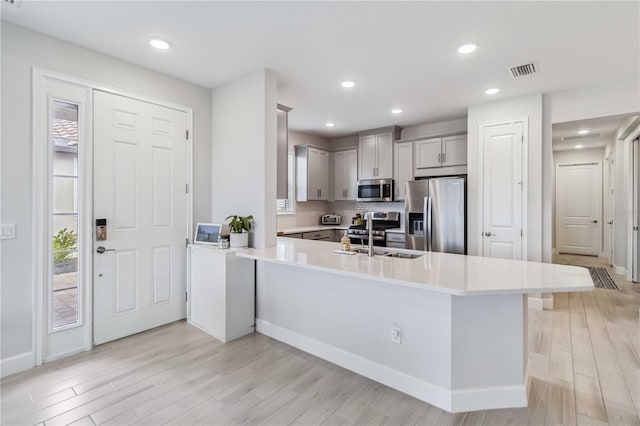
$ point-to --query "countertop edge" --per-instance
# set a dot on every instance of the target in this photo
(410, 284)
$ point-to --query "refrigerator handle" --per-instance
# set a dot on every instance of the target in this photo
(427, 221)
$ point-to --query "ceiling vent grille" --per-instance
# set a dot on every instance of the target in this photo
(523, 70)
(576, 137)
(9, 1)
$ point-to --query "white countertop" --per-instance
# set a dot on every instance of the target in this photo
(311, 228)
(442, 272)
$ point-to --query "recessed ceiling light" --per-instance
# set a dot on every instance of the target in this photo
(396, 111)
(159, 43)
(583, 132)
(492, 91)
(348, 84)
(465, 49)
(330, 124)
(578, 146)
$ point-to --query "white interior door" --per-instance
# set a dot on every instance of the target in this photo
(140, 158)
(635, 177)
(502, 191)
(609, 209)
(578, 208)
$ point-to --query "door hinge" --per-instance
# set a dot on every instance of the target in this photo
(521, 138)
(187, 133)
(186, 188)
(521, 233)
(186, 296)
(186, 242)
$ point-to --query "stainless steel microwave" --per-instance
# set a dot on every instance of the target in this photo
(375, 190)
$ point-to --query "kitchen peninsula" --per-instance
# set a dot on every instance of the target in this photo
(448, 329)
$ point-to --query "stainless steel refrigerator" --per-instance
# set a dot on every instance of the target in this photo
(436, 214)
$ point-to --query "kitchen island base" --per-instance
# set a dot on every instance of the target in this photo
(459, 353)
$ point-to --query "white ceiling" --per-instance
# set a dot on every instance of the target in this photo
(400, 54)
(606, 126)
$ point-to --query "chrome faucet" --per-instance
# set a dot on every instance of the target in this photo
(370, 229)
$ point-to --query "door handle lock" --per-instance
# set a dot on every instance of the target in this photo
(610, 222)
(101, 249)
(489, 234)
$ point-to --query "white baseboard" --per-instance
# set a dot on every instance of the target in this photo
(66, 354)
(620, 270)
(16, 364)
(451, 401)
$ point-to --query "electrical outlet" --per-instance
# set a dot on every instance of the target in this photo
(396, 333)
(8, 231)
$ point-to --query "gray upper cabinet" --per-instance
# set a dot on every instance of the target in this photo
(454, 150)
(376, 153)
(441, 152)
(312, 173)
(402, 167)
(345, 183)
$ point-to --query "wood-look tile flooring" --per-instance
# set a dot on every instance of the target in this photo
(584, 368)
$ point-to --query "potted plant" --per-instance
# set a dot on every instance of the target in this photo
(240, 227)
(64, 244)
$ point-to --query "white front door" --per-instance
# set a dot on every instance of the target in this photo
(502, 190)
(140, 176)
(578, 207)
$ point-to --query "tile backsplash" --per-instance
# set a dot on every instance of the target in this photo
(308, 213)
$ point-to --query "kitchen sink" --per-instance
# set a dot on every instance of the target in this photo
(399, 255)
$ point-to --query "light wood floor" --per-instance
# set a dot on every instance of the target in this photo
(584, 368)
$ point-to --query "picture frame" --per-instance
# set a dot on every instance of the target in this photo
(207, 233)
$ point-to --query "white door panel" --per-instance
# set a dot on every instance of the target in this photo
(635, 187)
(140, 157)
(578, 205)
(502, 191)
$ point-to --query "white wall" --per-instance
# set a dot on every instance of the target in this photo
(21, 50)
(623, 209)
(345, 142)
(243, 153)
(522, 108)
(435, 129)
(573, 157)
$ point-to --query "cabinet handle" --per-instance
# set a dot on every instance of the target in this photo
(344, 193)
(319, 192)
(439, 158)
(444, 157)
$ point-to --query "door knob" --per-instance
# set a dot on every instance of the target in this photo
(594, 221)
(489, 234)
(610, 222)
(101, 249)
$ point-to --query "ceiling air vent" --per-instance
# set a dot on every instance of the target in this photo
(524, 69)
(575, 137)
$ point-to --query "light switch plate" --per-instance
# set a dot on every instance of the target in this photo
(8, 231)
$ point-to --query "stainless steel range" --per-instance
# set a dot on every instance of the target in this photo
(382, 221)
